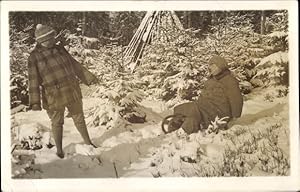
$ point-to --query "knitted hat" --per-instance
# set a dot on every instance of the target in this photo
(219, 61)
(44, 33)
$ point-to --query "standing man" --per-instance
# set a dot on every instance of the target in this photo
(53, 79)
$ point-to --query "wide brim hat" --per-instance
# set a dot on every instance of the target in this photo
(44, 33)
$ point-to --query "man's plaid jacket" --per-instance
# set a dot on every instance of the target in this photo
(53, 74)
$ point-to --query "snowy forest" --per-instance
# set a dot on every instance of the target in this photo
(124, 111)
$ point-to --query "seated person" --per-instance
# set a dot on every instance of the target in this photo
(221, 96)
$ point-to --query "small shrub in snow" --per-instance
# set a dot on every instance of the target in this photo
(246, 87)
(18, 90)
(249, 146)
(247, 149)
(272, 160)
(127, 100)
(234, 164)
(273, 69)
(120, 100)
(269, 97)
(22, 164)
(276, 92)
(177, 66)
(216, 125)
(279, 33)
(19, 52)
(117, 89)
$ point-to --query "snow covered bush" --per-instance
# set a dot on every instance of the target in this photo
(117, 88)
(18, 90)
(178, 66)
(127, 99)
(230, 37)
(273, 160)
(251, 55)
(31, 137)
(22, 163)
(25, 139)
(118, 102)
(234, 164)
(279, 33)
(76, 45)
(256, 149)
(19, 52)
(273, 69)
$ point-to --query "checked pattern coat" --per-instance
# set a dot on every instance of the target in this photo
(53, 77)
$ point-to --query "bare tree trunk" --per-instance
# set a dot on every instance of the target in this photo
(213, 18)
(262, 23)
(83, 32)
(189, 19)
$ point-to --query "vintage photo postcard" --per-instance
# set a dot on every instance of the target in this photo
(149, 96)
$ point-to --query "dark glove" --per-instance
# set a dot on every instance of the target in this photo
(36, 107)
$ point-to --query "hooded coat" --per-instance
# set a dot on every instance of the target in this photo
(221, 96)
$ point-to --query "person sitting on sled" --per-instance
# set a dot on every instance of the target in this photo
(53, 78)
(221, 96)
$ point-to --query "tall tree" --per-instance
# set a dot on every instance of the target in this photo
(263, 22)
(83, 24)
(124, 25)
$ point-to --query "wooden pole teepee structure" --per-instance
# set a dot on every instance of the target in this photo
(151, 28)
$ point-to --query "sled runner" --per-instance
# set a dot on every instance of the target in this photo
(185, 115)
(172, 123)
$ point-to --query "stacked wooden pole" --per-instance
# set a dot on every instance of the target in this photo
(146, 32)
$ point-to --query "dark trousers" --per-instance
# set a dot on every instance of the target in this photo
(192, 116)
(57, 121)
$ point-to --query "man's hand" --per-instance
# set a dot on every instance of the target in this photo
(36, 107)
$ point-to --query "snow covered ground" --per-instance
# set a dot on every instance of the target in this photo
(255, 144)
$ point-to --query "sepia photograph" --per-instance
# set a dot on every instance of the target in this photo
(153, 93)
